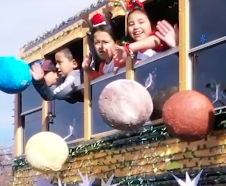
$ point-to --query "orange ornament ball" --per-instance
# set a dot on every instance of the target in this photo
(189, 115)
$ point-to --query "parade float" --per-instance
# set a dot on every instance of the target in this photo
(186, 130)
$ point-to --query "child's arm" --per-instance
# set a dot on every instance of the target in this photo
(86, 67)
(150, 42)
(63, 91)
(121, 53)
(39, 82)
(71, 84)
(43, 90)
(76, 97)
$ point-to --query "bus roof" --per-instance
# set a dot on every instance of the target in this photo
(63, 25)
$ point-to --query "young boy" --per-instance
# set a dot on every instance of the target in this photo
(69, 90)
(50, 73)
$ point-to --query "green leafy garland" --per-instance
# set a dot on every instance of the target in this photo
(144, 136)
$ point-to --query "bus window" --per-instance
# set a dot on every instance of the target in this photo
(163, 68)
(118, 23)
(162, 10)
(66, 111)
(98, 125)
(76, 48)
(69, 86)
(67, 115)
(32, 123)
(31, 113)
(209, 74)
(159, 25)
(30, 99)
(111, 33)
(207, 21)
(165, 80)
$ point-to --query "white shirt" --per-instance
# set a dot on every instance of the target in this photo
(108, 68)
(144, 55)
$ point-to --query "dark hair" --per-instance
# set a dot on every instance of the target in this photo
(136, 8)
(103, 28)
(66, 52)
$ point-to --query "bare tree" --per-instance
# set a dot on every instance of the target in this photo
(6, 158)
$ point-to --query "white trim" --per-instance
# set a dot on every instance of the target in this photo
(102, 23)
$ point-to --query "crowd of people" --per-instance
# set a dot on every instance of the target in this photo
(62, 78)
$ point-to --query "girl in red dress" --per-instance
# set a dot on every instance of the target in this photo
(104, 41)
(146, 42)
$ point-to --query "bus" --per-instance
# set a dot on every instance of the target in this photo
(148, 156)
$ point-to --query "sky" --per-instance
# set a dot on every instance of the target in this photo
(22, 21)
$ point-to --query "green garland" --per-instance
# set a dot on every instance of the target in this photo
(146, 134)
(209, 176)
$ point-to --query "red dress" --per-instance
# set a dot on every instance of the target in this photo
(105, 68)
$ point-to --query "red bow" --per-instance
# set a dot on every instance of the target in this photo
(131, 4)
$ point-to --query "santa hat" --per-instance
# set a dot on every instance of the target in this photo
(98, 19)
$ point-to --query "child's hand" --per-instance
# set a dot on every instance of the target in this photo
(120, 55)
(85, 16)
(107, 12)
(86, 63)
(37, 72)
(167, 33)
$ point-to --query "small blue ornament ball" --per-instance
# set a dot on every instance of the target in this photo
(15, 75)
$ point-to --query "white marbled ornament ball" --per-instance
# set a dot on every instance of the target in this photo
(125, 104)
(46, 152)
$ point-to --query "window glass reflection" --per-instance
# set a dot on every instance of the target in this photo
(30, 99)
(66, 115)
(98, 125)
(210, 73)
(165, 80)
(33, 124)
(207, 20)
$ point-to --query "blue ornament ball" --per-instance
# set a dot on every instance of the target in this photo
(15, 75)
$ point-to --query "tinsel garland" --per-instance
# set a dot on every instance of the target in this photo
(156, 133)
(127, 143)
(149, 133)
(210, 176)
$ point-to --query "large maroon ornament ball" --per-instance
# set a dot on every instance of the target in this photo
(125, 104)
(189, 115)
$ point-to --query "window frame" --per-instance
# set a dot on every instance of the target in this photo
(184, 50)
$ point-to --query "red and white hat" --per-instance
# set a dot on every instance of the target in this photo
(98, 19)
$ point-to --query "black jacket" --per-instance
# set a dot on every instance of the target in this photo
(71, 90)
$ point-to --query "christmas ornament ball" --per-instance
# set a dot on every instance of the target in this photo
(161, 96)
(15, 75)
(125, 104)
(46, 152)
(189, 115)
